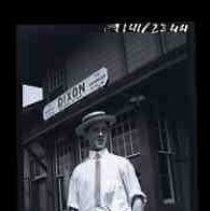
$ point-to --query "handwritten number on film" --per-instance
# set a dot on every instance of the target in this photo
(152, 28)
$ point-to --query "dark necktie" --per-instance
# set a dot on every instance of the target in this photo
(97, 180)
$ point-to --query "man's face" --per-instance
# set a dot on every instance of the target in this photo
(98, 134)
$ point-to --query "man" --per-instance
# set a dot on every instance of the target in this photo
(104, 181)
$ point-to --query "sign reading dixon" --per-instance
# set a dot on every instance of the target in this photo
(72, 95)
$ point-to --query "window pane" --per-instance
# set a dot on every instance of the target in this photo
(128, 144)
(165, 187)
(163, 136)
(121, 146)
(63, 197)
(163, 164)
(114, 145)
(166, 177)
(135, 138)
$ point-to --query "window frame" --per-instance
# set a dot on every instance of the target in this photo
(130, 133)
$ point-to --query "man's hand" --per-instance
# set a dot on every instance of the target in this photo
(138, 205)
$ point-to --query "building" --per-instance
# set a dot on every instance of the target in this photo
(146, 80)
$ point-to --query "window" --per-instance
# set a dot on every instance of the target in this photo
(165, 163)
(56, 81)
(125, 139)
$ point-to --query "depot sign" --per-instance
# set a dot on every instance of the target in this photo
(72, 95)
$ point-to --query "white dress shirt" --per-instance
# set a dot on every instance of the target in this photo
(119, 183)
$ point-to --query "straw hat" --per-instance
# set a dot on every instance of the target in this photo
(92, 118)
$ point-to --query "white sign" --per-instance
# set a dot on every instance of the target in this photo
(72, 95)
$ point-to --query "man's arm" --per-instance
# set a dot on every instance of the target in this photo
(135, 195)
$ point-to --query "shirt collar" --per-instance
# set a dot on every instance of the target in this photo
(102, 152)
